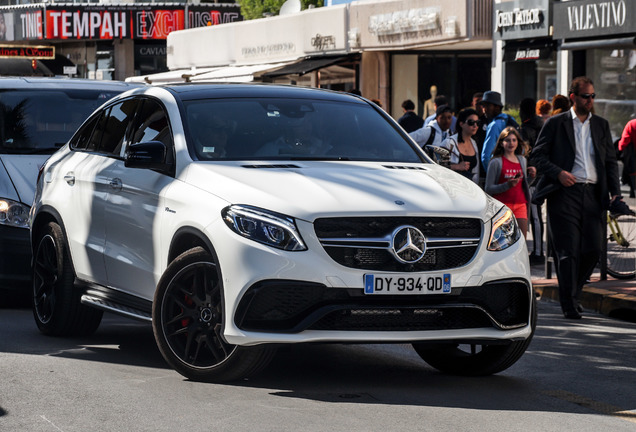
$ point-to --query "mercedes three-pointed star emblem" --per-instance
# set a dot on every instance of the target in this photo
(408, 245)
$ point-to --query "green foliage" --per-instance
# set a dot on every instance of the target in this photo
(254, 9)
(513, 112)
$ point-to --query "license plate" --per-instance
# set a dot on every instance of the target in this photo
(401, 284)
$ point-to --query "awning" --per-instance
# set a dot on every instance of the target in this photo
(243, 73)
(307, 65)
(174, 76)
(627, 42)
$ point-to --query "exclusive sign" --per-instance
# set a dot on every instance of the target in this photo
(117, 22)
(27, 52)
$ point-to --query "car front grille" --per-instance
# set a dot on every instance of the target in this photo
(365, 243)
(290, 306)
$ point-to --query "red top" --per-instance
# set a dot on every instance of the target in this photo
(629, 135)
(515, 194)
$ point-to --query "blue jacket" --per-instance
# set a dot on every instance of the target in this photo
(495, 127)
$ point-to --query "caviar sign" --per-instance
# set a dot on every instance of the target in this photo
(27, 51)
(116, 22)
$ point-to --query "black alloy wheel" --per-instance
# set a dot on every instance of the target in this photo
(188, 323)
(57, 307)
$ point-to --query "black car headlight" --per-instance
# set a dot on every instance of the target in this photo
(505, 231)
(265, 227)
(13, 213)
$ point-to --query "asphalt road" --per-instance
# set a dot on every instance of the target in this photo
(576, 375)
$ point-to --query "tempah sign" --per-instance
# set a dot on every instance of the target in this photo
(103, 22)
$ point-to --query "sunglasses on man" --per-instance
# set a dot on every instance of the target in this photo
(587, 95)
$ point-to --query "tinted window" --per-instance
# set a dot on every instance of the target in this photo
(115, 125)
(151, 124)
(96, 138)
(292, 129)
(43, 120)
(81, 139)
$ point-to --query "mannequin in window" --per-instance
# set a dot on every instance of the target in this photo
(429, 104)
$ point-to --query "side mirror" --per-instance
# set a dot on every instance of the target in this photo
(438, 154)
(148, 155)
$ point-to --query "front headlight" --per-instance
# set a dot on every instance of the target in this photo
(505, 231)
(265, 227)
(13, 213)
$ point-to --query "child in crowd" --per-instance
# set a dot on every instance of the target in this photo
(506, 178)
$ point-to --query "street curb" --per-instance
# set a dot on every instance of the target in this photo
(599, 300)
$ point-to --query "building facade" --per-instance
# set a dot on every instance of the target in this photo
(104, 40)
(390, 50)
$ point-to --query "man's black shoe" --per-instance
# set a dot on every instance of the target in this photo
(572, 315)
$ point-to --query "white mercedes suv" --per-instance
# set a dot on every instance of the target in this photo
(237, 218)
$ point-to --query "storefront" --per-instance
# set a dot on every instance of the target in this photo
(108, 41)
(529, 60)
(410, 46)
(598, 39)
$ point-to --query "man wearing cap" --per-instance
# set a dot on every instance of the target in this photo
(436, 131)
(498, 122)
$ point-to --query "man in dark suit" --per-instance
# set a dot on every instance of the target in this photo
(576, 161)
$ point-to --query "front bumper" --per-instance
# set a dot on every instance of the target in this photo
(15, 258)
(274, 296)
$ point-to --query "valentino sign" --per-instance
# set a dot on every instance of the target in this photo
(575, 19)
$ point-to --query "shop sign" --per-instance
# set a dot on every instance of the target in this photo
(268, 50)
(203, 16)
(406, 21)
(526, 53)
(586, 18)
(19, 25)
(521, 19)
(112, 22)
(27, 51)
(323, 43)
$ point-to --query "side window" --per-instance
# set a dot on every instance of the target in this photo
(82, 137)
(96, 137)
(151, 124)
(115, 125)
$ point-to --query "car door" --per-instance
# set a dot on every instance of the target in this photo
(133, 209)
(86, 174)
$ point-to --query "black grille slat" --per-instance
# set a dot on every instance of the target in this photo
(367, 258)
(291, 306)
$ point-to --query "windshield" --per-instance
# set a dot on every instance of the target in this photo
(41, 121)
(292, 129)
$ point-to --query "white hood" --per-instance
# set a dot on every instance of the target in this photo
(314, 189)
(23, 173)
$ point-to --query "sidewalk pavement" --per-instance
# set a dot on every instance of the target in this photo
(611, 297)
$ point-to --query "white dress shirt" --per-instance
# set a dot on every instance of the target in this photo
(584, 168)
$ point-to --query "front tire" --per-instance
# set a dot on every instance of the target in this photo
(57, 307)
(187, 320)
(475, 359)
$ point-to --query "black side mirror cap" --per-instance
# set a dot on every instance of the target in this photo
(148, 155)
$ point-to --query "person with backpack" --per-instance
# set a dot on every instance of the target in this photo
(436, 131)
(498, 122)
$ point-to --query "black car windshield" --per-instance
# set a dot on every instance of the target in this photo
(41, 121)
(292, 129)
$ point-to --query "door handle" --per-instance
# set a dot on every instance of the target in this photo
(115, 184)
(70, 178)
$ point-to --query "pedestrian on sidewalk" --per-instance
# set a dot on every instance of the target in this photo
(497, 122)
(464, 154)
(531, 125)
(575, 158)
(507, 175)
(410, 121)
(436, 131)
(627, 147)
